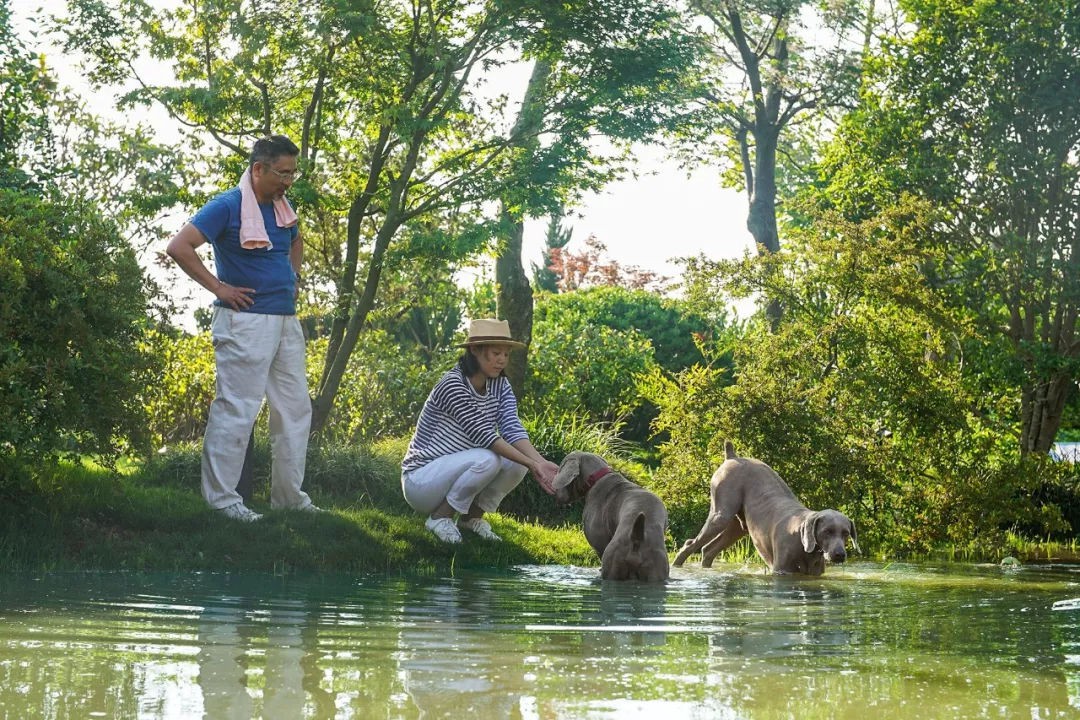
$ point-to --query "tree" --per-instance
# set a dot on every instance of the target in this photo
(619, 69)
(73, 309)
(381, 98)
(25, 89)
(979, 114)
(777, 64)
(590, 268)
(557, 237)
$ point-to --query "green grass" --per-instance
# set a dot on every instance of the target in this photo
(80, 516)
(149, 515)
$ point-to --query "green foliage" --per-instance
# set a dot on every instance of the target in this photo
(858, 398)
(178, 402)
(578, 366)
(71, 319)
(24, 97)
(978, 113)
(382, 390)
(670, 325)
(591, 346)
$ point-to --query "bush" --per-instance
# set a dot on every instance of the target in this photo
(578, 367)
(72, 314)
(668, 323)
(590, 347)
(177, 405)
(382, 390)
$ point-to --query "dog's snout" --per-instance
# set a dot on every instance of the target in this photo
(838, 557)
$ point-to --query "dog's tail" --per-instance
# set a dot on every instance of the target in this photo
(729, 449)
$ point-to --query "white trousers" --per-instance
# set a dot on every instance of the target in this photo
(465, 477)
(257, 356)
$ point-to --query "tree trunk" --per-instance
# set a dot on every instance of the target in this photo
(761, 219)
(514, 301)
(513, 292)
(1042, 406)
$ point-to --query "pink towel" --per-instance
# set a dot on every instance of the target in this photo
(252, 228)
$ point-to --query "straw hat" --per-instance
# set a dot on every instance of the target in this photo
(489, 331)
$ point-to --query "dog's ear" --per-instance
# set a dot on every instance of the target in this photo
(568, 471)
(808, 532)
(637, 533)
(729, 449)
(854, 537)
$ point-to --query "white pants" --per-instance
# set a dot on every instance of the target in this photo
(257, 356)
(465, 477)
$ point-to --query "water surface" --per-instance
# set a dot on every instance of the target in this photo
(865, 641)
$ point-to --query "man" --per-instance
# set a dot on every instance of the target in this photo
(258, 342)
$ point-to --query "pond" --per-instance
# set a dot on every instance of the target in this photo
(865, 641)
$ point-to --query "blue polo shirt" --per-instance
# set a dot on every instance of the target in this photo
(269, 272)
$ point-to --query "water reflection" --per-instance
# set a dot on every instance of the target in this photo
(252, 659)
(445, 658)
(543, 643)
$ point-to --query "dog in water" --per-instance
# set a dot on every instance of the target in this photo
(624, 523)
(748, 497)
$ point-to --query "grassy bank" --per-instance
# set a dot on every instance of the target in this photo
(151, 516)
(80, 516)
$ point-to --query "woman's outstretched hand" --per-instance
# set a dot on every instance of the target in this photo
(545, 472)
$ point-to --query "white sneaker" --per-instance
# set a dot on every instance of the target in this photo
(240, 511)
(481, 527)
(444, 529)
(311, 508)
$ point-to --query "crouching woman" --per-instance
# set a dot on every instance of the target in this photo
(470, 448)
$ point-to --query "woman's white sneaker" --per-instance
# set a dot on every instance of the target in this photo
(481, 527)
(444, 529)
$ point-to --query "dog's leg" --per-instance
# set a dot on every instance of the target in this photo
(733, 532)
(712, 527)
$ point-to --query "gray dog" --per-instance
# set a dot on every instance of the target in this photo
(624, 522)
(747, 496)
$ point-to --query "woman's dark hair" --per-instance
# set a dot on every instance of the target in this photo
(268, 149)
(469, 365)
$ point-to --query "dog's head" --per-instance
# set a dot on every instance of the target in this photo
(828, 530)
(635, 557)
(572, 482)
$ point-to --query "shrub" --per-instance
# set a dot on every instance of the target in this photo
(577, 367)
(177, 404)
(590, 347)
(72, 314)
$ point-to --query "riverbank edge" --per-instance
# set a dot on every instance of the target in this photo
(83, 517)
(79, 517)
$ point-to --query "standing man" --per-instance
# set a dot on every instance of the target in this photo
(258, 343)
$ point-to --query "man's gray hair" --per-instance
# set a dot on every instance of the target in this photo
(268, 149)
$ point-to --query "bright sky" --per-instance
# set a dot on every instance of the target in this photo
(647, 221)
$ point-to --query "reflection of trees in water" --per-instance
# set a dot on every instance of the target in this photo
(562, 645)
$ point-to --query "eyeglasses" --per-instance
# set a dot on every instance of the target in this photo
(291, 176)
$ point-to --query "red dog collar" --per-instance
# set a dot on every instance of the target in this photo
(595, 477)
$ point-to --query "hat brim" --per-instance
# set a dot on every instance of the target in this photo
(475, 342)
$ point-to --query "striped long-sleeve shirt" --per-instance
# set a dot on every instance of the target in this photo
(455, 417)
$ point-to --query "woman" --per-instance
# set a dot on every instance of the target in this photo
(470, 449)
